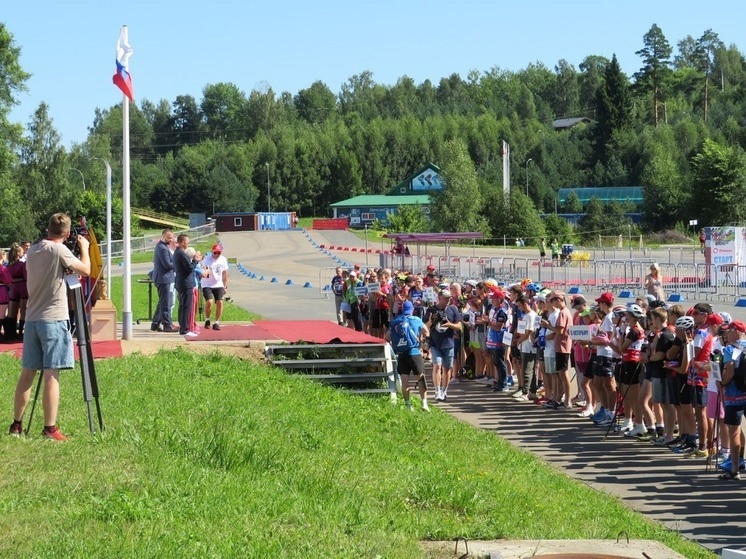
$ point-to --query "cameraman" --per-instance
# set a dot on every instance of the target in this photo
(443, 321)
(47, 342)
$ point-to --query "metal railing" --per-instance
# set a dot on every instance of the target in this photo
(700, 280)
(148, 242)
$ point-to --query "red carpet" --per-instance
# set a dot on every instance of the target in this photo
(315, 331)
(233, 332)
(100, 350)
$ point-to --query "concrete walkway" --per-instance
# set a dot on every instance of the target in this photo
(675, 491)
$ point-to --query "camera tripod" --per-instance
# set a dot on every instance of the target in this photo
(87, 367)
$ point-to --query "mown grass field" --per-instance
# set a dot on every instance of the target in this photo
(211, 456)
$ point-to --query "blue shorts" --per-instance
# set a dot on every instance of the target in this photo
(443, 357)
(47, 344)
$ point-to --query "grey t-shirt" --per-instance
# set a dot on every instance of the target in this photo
(45, 269)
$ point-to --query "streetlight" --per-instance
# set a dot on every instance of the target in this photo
(527, 162)
(81, 176)
(269, 196)
(108, 224)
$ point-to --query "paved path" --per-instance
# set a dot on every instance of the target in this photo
(675, 491)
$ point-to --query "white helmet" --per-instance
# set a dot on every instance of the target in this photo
(636, 311)
(619, 311)
(685, 323)
(727, 318)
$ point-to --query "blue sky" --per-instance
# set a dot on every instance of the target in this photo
(179, 47)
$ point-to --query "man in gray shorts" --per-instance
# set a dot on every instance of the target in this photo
(47, 341)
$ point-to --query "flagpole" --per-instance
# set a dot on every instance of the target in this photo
(126, 248)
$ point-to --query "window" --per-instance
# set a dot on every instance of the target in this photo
(368, 217)
(237, 222)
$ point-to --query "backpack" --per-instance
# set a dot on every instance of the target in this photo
(403, 337)
(739, 375)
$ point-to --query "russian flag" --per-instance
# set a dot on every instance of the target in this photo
(122, 78)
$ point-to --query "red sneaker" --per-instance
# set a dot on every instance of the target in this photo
(16, 430)
(55, 435)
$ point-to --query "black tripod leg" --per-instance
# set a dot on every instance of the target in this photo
(33, 404)
(87, 370)
(616, 411)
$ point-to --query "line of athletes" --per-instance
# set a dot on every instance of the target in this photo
(647, 362)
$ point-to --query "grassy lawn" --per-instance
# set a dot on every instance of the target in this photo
(139, 302)
(198, 462)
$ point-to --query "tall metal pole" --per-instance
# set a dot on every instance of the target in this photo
(108, 225)
(269, 195)
(527, 162)
(81, 176)
(366, 244)
(126, 248)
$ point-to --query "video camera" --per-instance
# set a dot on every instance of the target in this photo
(438, 316)
(72, 241)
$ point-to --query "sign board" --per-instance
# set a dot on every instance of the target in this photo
(583, 333)
(374, 287)
(692, 222)
(507, 338)
(361, 291)
(429, 295)
(521, 328)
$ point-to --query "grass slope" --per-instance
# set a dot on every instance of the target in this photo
(210, 456)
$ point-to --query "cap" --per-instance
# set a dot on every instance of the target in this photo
(445, 293)
(497, 292)
(353, 273)
(540, 298)
(217, 248)
(651, 298)
(713, 319)
(736, 325)
(407, 308)
(556, 294)
(607, 298)
(431, 268)
(471, 283)
(578, 300)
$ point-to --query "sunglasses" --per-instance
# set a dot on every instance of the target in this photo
(216, 253)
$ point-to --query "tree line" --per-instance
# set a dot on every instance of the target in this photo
(675, 127)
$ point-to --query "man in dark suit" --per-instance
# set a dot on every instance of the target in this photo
(185, 283)
(163, 278)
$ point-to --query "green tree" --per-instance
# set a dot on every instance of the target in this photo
(567, 89)
(613, 108)
(47, 181)
(456, 207)
(409, 219)
(316, 103)
(222, 109)
(591, 78)
(656, 58)
(558, 227)
(719, 180)
(515, 218)
(600, 219)
(573, 205)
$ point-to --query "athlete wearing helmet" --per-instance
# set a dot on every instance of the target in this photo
(686, 323)
(630, 346)
(603, 362)
(636, 311)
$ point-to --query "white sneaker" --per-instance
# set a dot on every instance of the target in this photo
(425, 406)
(521, 398)
(454, 380)
(393, 399)
(191, 334)
(626, 427)
(586, 412)
(637, 431)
